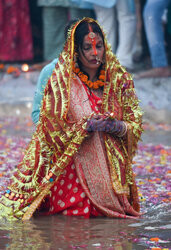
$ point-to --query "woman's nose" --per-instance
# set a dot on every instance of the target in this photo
(94, 51)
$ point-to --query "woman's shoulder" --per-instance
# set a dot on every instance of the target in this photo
(50, 66)
(45, 73)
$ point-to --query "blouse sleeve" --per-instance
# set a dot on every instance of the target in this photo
(42, 81)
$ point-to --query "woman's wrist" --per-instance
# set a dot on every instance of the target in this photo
(119, 128)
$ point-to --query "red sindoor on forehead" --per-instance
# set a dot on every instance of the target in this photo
(92, 38)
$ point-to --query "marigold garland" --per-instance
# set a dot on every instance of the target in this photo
(90, 84)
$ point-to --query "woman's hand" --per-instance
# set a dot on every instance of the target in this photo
(96, 123)
(100, 123)
(105, 124)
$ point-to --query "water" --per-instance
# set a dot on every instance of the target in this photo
(62, 232)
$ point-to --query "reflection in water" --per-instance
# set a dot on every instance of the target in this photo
(22, 236)
(81, 233)
(64, 232)
(59, 232)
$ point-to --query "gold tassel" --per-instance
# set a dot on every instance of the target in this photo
(37, 202)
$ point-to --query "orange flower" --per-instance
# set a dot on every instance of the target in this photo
(1, 66)
(156, 248)
(98, 82)
(11, 69)
(102, 72)
(155, 239)
(90, 84)
(95, 85)
(166, 200)
(163, 152)
(84, 78)
(155, 195)
(77, 70)
(101, 84)
(102, 77)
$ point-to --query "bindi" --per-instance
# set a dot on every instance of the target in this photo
(92, 38)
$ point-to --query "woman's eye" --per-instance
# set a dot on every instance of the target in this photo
(87, 48)
(99, 46)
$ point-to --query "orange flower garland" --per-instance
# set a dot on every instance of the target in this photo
(90, 84)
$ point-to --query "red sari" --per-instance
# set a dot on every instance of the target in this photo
(68, 196)
(15, 31)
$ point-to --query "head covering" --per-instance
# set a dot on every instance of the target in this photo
(57, 138)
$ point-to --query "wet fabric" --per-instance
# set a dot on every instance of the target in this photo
(68, 197)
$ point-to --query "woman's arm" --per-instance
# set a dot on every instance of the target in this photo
(42, 81)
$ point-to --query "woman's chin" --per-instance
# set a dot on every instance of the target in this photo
(94, 65)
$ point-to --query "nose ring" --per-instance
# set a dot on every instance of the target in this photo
(98, 60)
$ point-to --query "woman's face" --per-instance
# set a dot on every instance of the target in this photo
(91, 55)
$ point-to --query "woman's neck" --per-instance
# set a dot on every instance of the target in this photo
(92, 73)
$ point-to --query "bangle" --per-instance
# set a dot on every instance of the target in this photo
(123, 130)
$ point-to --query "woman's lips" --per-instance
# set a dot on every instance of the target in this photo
(94, 61)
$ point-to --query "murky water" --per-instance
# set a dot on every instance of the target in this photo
(62, 232)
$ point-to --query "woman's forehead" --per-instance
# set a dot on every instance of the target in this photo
(87, 39)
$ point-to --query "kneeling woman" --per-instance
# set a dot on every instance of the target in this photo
(79, 159)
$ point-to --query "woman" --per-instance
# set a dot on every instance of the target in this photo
(79, 159)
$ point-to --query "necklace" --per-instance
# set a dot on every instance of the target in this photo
(90, 84)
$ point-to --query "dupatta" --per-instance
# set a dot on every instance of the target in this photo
(58, 137)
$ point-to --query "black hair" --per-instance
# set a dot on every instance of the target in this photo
(82, 30)
(68, 26)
